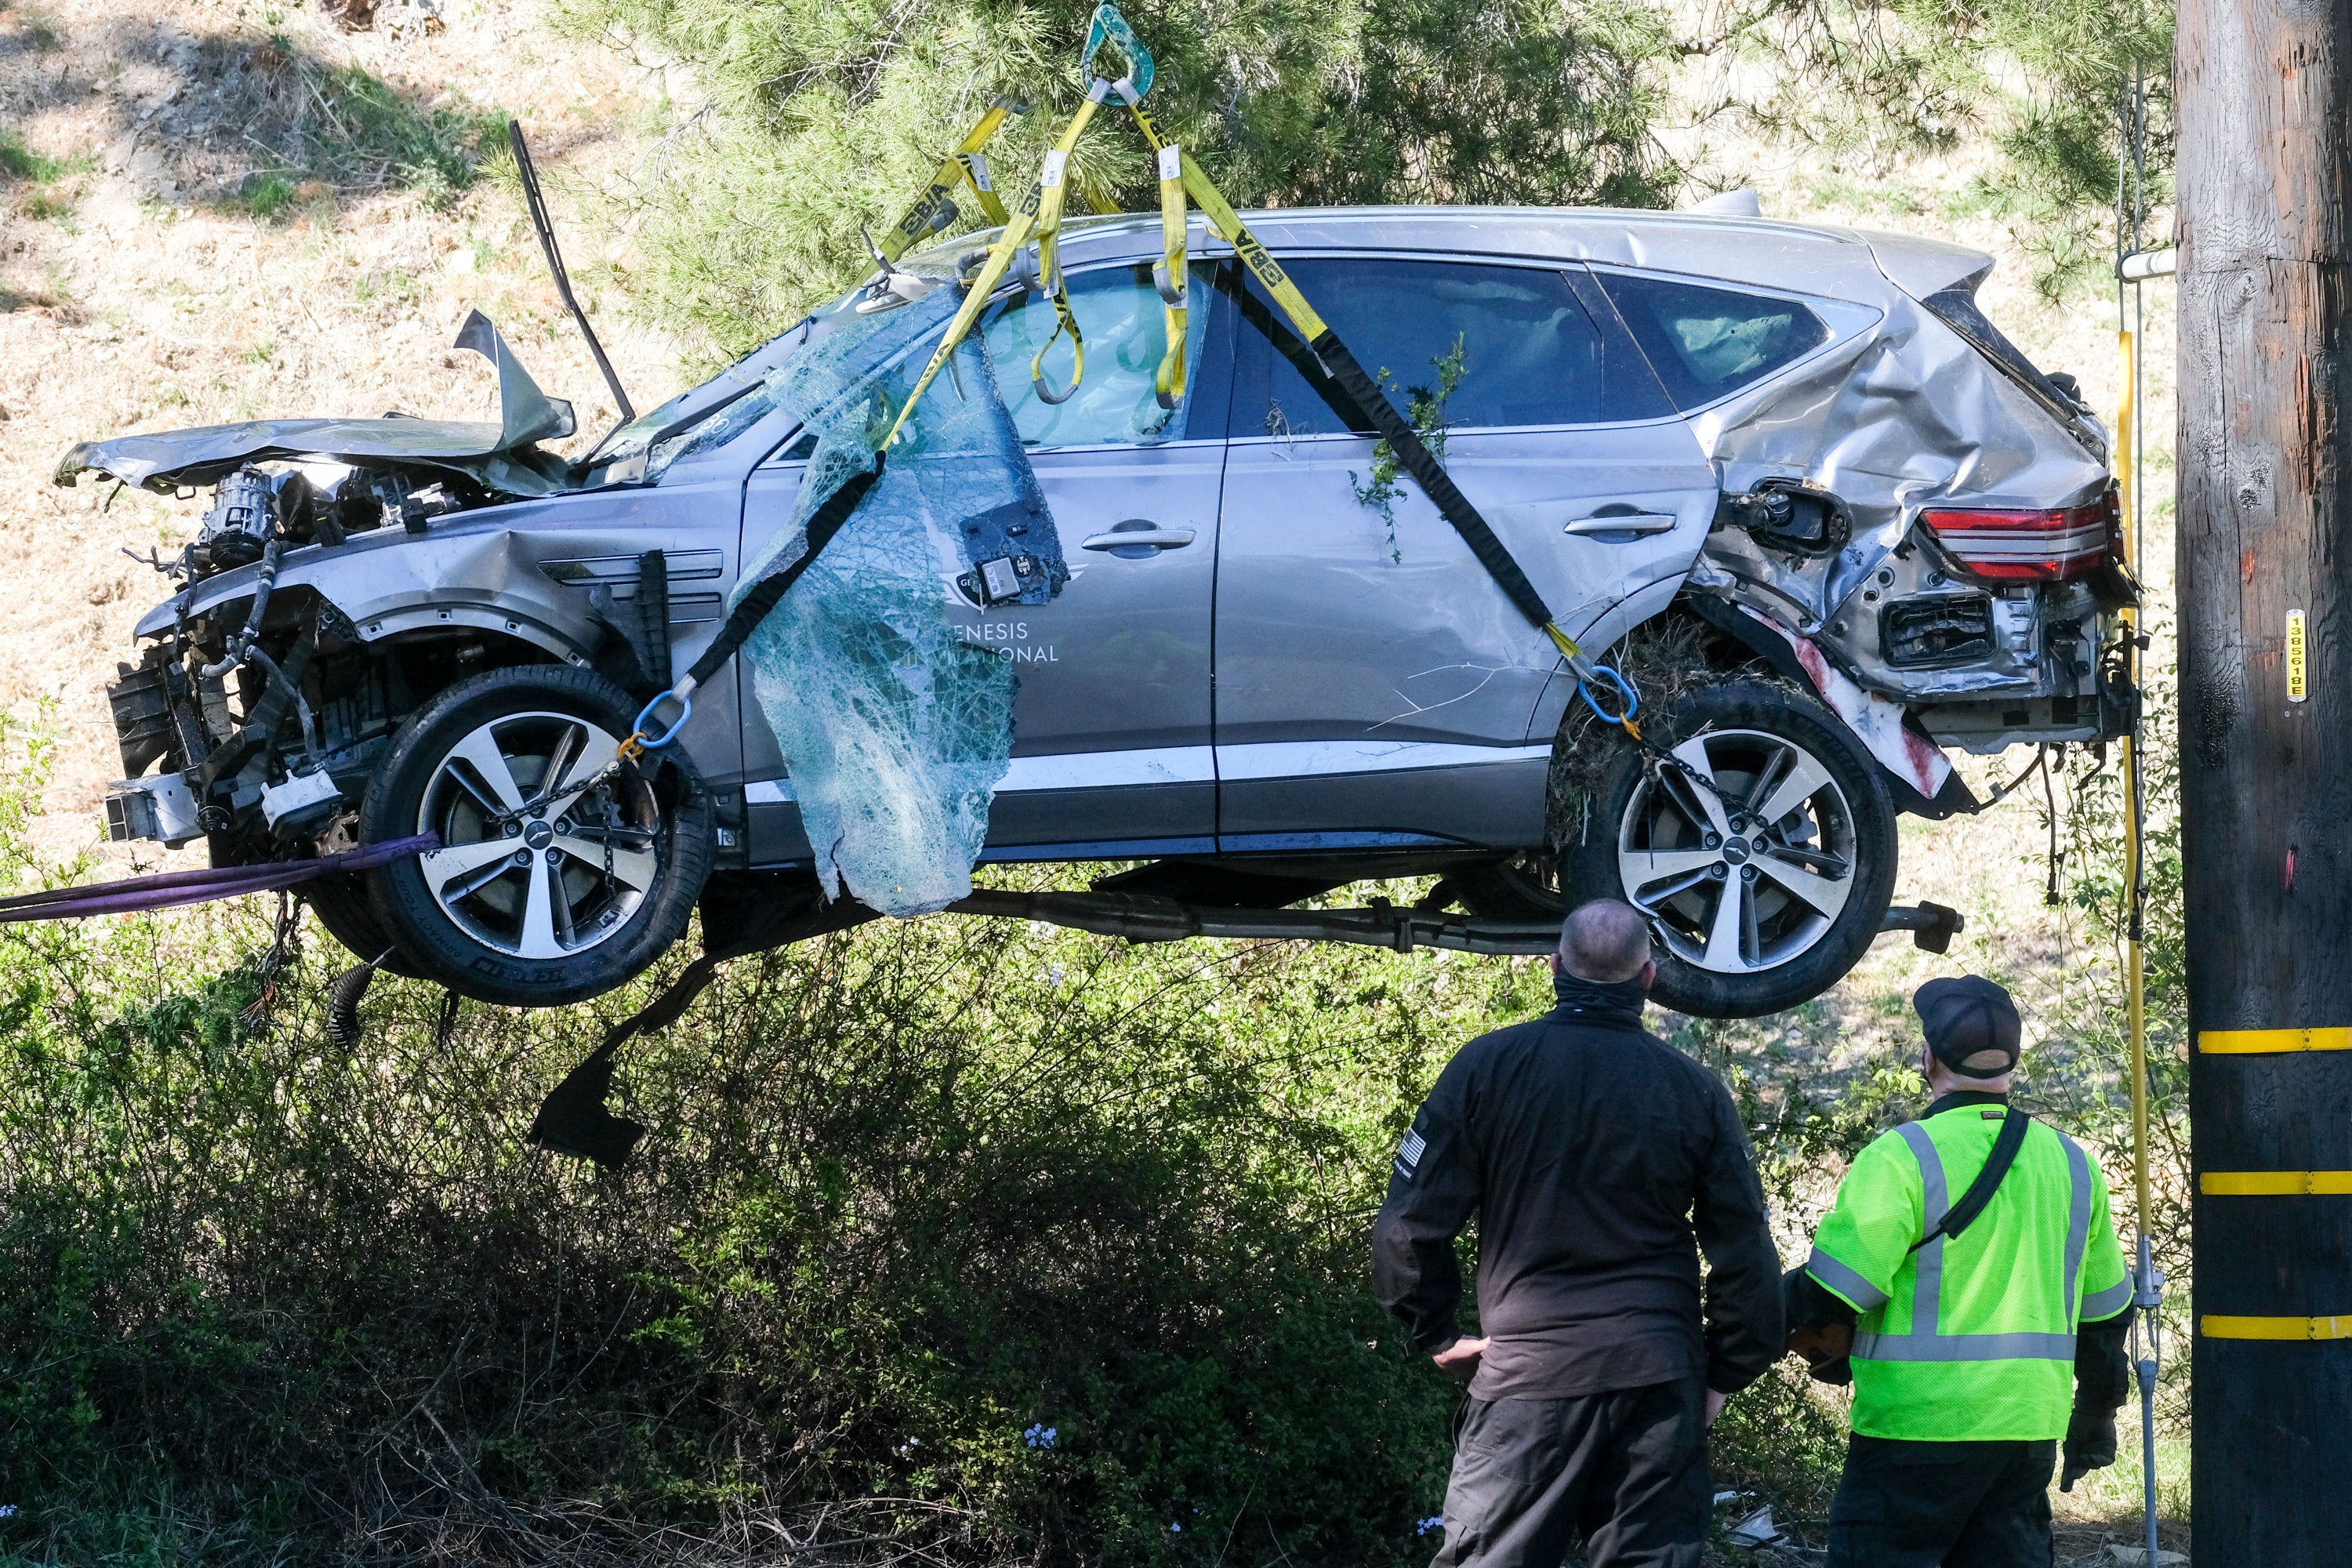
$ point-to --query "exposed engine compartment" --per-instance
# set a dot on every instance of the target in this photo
(254, 509)
(261, 730)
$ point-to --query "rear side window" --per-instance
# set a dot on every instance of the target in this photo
(1515, 346)
(1708, 343)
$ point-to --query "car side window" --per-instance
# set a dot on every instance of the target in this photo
(1706, 343)
(1512, 342)
(1119, 311)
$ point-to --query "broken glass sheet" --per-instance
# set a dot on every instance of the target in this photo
(895, 728)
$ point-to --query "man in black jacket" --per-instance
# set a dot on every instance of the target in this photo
(1599, 1161)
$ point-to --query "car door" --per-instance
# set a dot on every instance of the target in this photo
(1111, 728)
(1373, 685)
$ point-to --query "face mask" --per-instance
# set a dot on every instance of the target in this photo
(1618, 999)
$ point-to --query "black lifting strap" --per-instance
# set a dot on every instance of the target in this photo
(573, 1119)
(1961, 1215)
(1414, 456)
(769, 591)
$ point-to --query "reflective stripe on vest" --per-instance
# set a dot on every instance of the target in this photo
(1861, 1292)
(2101, 1305)
(1924, 1343)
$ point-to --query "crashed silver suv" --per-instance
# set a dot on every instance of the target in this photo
(1826, 519)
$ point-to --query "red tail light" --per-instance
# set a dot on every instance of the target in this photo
(2042, 546)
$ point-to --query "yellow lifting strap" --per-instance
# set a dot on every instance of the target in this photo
(1018, 228)
(1171, 273)
(935, 209)
(1053, 194)
(1180, 175)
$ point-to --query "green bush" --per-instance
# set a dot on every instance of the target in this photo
(268, 195)
(18, 162)
(914, 1198)
(367, 130)
(327, 129)
(910, 1192)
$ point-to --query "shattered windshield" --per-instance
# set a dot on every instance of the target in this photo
(724, 406)
(895, 726)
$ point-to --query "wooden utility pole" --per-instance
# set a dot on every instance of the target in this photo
(2265, 171)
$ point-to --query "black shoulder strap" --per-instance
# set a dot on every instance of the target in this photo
(1961, 1215)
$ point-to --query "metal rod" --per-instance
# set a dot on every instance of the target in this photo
(2132, 266)
(2151, 1289)
(1142, 917)
(540, 221)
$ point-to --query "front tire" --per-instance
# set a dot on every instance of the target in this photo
(1765, 862)
(343, 905)
(555, 881)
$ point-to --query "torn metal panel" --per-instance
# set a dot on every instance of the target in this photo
(1908, 417)
(1875, 722)
(502, 457)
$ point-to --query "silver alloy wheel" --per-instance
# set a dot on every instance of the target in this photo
(1744, 863)
(539, 861)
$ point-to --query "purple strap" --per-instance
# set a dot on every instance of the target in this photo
(167, 889)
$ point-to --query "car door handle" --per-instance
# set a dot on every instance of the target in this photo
(1147, 537)
(1624, 522)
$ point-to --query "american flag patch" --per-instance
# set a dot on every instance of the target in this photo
(1409, 1153)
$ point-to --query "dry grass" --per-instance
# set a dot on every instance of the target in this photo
(140, 291)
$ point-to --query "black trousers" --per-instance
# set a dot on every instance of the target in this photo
(1627, 1468)
(1942, 1505)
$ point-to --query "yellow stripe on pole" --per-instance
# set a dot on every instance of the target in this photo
(2216, 1326)
(2269, 1042)
(2274, 1184)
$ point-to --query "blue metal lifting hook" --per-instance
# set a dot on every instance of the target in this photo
(1624, 688)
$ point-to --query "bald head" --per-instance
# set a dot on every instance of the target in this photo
(1605, 942)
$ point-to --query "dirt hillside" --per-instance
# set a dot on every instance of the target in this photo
(220, 212)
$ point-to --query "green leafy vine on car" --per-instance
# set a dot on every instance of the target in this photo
(1426, 407)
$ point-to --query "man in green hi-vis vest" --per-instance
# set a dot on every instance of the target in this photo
(1971, 1259)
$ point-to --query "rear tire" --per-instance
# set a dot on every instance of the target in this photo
(541, 895)
(1523, 888)
(1753, 913)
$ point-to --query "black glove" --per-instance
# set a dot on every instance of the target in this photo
(2090, 1446)
(1820, 1328)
